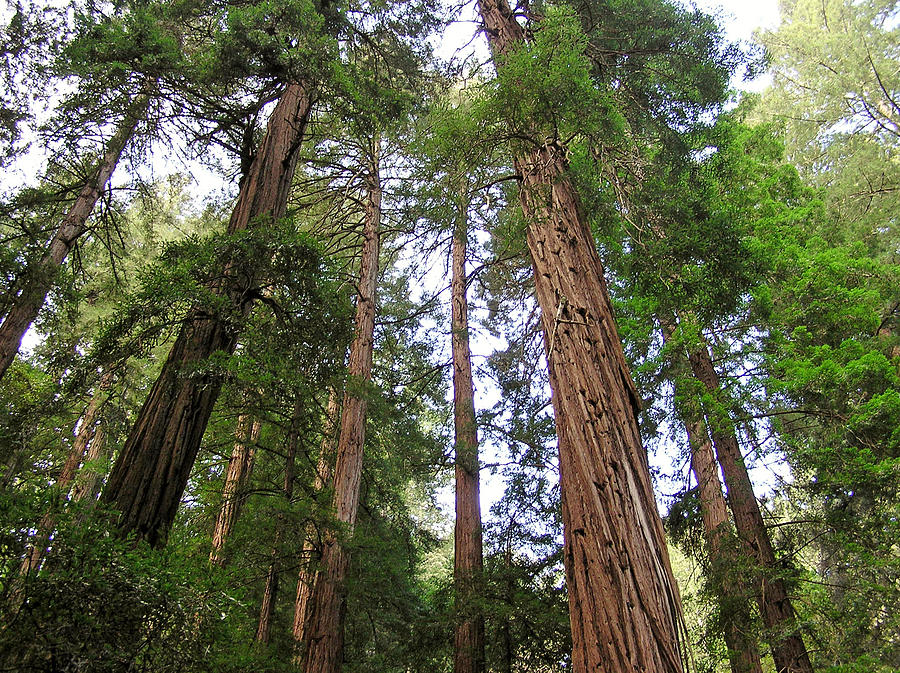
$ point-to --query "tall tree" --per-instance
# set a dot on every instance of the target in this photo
(468, 563)
(236, 476)
(36, 282)
(624, 605)
(325, 630)
(151, 471)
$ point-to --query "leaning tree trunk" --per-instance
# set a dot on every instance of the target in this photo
(724, 558)
(788, 649)
(39, 280)
(88, 479)
(86, 429)
(306, 578)
(468, 564)
(743, 651)
(325, 629)
(624, 606)
(270, 594)
(240, 465)
(152, 470)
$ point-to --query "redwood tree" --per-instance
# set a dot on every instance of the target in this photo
(151, 471)
(38, 279)
(788, 649)
(623, 602)
(468, 560)
(325, 628)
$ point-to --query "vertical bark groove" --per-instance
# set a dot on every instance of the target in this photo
(325, 630)
(39, 280)
(788, 649)
(152, 470)
(623, 603)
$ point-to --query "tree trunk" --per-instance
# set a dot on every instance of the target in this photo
(623, 602)
(724, 559)
(86, 429)
(743, 652)
(87, 482)
(39, 280)
(307, 576)
(270, 594)
(152, 470)
(468, 567)
(788, 649)
(240, 465)
(325, 630)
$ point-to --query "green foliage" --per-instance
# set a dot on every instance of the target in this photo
(106, 606)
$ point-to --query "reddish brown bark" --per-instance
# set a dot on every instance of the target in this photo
(788, 649)
(468, 565)
(39, 280)
(270, 594)
(152, 470)
(325, 626)
(240, 465)
(88, 479)
(86, 429)
(306, 579)
(743, 651)
(724, 558)
(623, 602)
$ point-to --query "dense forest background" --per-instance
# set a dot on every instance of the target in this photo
(248, 252)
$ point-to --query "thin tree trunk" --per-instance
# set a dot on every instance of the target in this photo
(788, 649)
(306, 578)
(468, 567)
(743, 652)
(39, 280)
(87, 481)
(724, 559)
(86, 429)
(270, 594)
(240, 465)
(623, 602)
(325, 630)
(152, 470)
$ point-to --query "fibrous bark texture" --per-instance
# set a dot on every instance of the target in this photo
(788, 649)
(38, 281)
(623, 603)
(152, 470)
(306, 578)
(270, 594)
(468, 564)
(325, 626)
(240, 465)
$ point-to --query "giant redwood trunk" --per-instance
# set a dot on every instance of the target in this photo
(624, 606)
(240, 465)
(270, 593)
(38, 280)
(152, 470)
(788, 649)
(468, 563)
(306, 578)
(325, 626)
